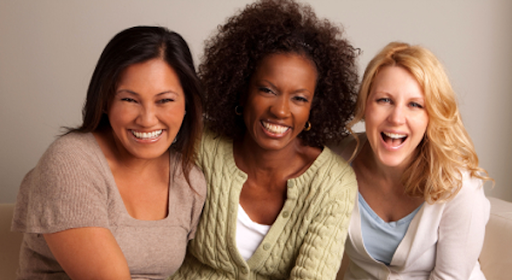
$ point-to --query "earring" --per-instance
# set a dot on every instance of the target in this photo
(307, 126)
(238, 110)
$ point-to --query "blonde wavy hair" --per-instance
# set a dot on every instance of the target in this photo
(446, 149)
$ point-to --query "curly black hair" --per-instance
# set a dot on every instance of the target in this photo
(280, 26)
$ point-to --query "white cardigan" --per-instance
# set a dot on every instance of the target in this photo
(443, 241)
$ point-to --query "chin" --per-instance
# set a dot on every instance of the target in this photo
(149, 154)
(391, 160)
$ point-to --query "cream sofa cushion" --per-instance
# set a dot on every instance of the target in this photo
(496, 256)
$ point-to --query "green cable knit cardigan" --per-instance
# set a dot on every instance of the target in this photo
(305, 242)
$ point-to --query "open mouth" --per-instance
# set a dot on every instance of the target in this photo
(275, 128)
(393, 139)
(147, 135)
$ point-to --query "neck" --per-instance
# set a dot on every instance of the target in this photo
(391, 174)
(282, 164)
(119, 158)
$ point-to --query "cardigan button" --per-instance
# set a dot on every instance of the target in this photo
(266, 246)
(286, 214)
(291, 184)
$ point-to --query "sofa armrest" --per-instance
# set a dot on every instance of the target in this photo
(10, 243)
(496, 256)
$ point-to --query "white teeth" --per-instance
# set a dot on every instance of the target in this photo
(147, 135)
(394, 135)
(275, 128)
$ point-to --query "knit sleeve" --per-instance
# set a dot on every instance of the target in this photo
(321, 252)
(461, 232)
(65, 190)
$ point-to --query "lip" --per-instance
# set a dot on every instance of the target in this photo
(146, 141)
(273, 134)
(389, 147)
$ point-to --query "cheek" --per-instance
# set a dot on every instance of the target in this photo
(119, 115)
(302, 113)
(252, 108)
(370, 117)
(424, 124)
(176, 114)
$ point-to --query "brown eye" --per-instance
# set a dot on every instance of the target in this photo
(127, 99)
(266, 90)
(301, 99)
(165, 100)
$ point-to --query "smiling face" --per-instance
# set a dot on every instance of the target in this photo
(279, 99)
(147, 110)
(395, 116)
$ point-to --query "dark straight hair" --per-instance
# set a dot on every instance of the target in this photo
(136, 45)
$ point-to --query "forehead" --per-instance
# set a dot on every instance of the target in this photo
(396, 80)
(283, 60)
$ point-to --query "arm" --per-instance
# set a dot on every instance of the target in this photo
(461, 232)
(320, 254)
(88, 253)
(66, 200)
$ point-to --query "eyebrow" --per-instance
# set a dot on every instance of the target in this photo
(300, 90)
(135, 93)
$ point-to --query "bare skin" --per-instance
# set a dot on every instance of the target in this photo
(381, 187)
(264, 193)
(149, 202)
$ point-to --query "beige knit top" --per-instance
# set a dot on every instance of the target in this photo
(72, 187)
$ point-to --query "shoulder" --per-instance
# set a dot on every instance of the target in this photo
(211, 140)
(332, 175)
(346, 147)
(334, 164)
(214, 149)
(73, 155)
(471, 191)
(72, 159)
(468, 202)
(67, 188)
(74, 145)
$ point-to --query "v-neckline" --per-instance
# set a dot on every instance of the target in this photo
(118, 197)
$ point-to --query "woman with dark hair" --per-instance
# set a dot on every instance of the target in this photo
(280, 83)
(119, 197)
(421, 209)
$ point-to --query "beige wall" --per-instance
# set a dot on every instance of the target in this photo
(48, 50)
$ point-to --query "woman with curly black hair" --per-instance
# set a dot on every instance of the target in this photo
(280, 83)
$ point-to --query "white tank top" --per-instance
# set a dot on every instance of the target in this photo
(248, 234)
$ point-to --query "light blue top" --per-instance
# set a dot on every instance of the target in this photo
(381, 238)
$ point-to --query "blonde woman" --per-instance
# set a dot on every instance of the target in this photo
(421, 210)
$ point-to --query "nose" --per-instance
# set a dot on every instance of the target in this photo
(397, 115)
(147, 116)
(281, 107)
